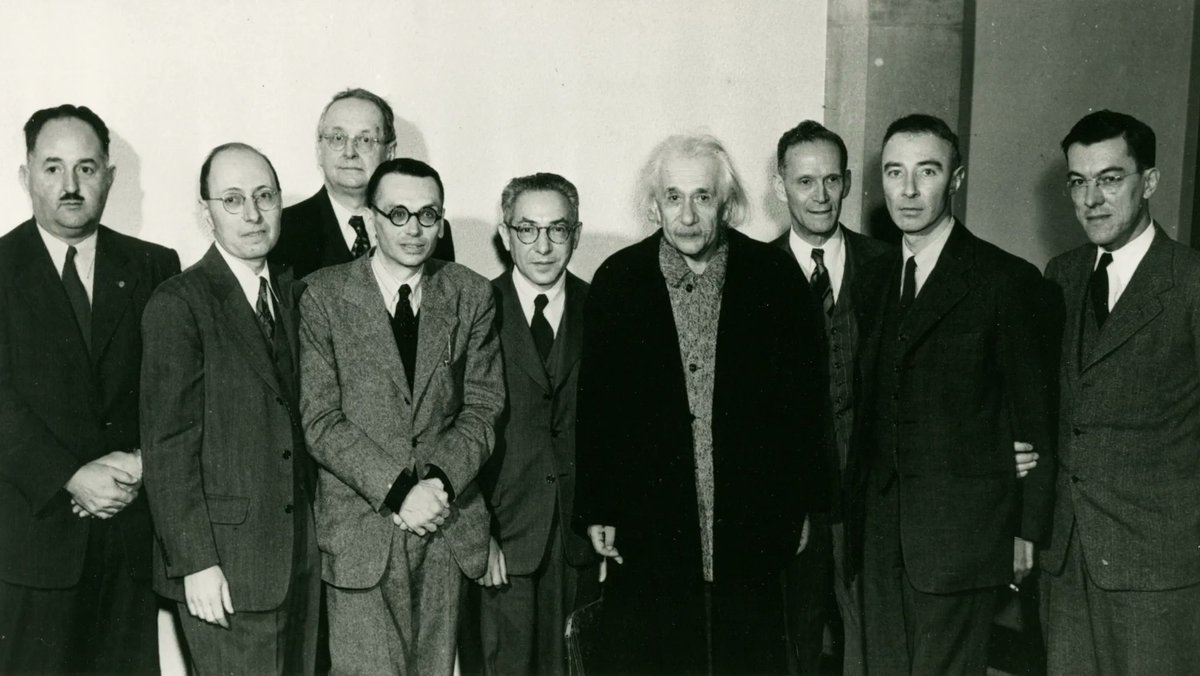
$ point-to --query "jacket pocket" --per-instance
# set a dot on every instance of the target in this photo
(227, 509)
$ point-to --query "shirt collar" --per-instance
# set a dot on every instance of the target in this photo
(928, 256)
(247, 279)
(831, 250)
(58, 248)
(675, 269)
(527, 291)
(1125, 260)
(343, 214)
(390, 283)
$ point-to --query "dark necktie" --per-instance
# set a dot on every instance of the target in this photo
(1099, 288)
(543, 335)
(820, 281)
(80, 304)
(404, 327)
(262, 309)
(908, 290)
(362, 243)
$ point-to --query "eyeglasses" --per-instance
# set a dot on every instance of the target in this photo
(235, 202)
(558, 233)
(362, 143)
(1108, 184)
(400, 216)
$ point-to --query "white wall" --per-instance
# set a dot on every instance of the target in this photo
(483, 90)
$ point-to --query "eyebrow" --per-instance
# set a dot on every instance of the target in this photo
(1102, 171)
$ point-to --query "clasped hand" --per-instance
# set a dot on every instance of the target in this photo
(105, 486)
(426, 507)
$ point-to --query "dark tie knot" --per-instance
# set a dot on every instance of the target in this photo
(540, 303)
(356, 222)
(818, 255)
(404, 292)
(70, 254)
(1105, 259)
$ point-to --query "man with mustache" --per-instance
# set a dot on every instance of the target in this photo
(75, 590)
(356, 132)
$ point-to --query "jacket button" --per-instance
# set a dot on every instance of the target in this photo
(286, 454)
(693, 368)
(550, 478)
(554, 434)
(416, 441)
(279, 400)
(288, 509)
(546, 397)
(1075, 479)
(1077, 432)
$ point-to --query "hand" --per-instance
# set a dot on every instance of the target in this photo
(129, 462)
(1022, 561)
(101, 490)
(804, 531)
(1026, 458)
(207, 594)
(603, 539)
(497, 572)
(425, 507)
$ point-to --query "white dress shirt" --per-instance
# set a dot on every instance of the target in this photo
(834, 255)
(343, 215)
(389, 284)
(1124, 263)
(248, 279)
(928, 256)
(85, 257)
(527, 292)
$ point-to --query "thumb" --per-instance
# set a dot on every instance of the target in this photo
(120, 475)
(225, 599)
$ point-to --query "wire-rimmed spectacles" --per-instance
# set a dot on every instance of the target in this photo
(235, 202)
(427, 217)
(1108, 184)
(558, 233)
(336, 141)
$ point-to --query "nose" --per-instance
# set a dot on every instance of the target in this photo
(70, 182)
(821, 194)
(910, 186)
(688, 215)
(412, 228)
(1092, 195)
(250, 212)
(350, 149)
(542, 243)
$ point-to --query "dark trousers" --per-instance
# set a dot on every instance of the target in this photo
(522, 623)
(107, 623)
(405, 624)
(808, 600)
(279, 641)
(1090, 630)
(908, 631)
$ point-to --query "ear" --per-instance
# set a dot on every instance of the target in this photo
(503, 233)
(575, 235)
(846, 181)
(389, 151)
(957, 177)
(777, 184)
(23, 177)
(1149, 182)
(111, 175)
(206, 215)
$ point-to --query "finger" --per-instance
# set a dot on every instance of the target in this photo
(503, 569)
(193, 606)
(226, 600)
(120, 475)
(1022, 446)
(1022, 473)
(430, 527)
(603, 569)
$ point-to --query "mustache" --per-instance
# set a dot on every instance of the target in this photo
(71, 196)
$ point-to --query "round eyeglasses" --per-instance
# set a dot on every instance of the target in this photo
(362, 143)
(400, 216)
(559, 233)
(235, 202)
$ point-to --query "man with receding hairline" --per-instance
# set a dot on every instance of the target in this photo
(75, 533)
(355, 133)
(228, 476)
(701, 421)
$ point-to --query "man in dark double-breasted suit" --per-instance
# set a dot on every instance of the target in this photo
(1123, 582)
(956, 375)
(535, 558)
(75, 539)
(229, 480)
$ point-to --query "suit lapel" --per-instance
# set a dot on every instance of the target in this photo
(112, 287)
(518, 340)
(946, 285)
(41, 285)
(568, 343)
(434, 340)
(1072, 281)
(239, 317)
(372, 322)
(1139, 302)
(335, 247)
(281, 279)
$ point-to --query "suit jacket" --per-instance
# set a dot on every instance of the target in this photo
(220, 428)
(364, 426)
(1129, 427)
(61, 407)
(970, 378)
(532, 471)
(312, 239)
(862, 252)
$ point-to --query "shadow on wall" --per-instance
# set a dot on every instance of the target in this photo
(1056, 228)
(123, 211)
(410, 142)
(592, 252)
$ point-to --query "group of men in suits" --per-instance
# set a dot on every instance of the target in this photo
(826, 415)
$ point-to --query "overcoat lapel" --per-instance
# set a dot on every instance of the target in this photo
(1139, 302)
(946, 285)
(238, 315)
(112, 287)
(42, 288)
(569, 340)
(372, 321)
(518, 340)
(435, 340)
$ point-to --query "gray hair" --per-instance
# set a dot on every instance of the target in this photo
(734, 203)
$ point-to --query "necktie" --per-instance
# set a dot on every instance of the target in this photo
(820, 281)
(362, 243)
(1098, 288)
(80, 304)
(404, 327)
(262, 309)
(908, 290)
(543, 335)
